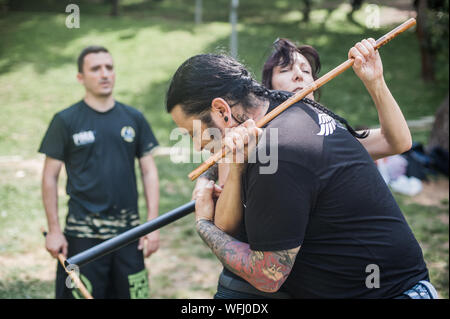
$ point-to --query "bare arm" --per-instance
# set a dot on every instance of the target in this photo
(55, 240)
(223, 169)
(265, 270)
(150, 181)
(229, 211)
(229, 208)
(393, 136)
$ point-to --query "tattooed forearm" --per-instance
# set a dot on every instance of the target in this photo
(266, 271)
(212, 173)
(212, 236)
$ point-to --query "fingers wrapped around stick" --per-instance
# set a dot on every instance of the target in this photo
(240, 141)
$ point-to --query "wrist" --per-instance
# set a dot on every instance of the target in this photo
(375, 84)
(200, 220)
(152, 208)
(379, 91)
(54, 229)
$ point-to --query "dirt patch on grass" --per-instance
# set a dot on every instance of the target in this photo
(172, 276)
(434, 193)
(19, 164)
(36, 264)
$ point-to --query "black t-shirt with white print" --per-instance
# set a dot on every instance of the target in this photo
(99, 151)
(328, 197)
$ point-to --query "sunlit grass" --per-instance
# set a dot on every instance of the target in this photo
(148, 42)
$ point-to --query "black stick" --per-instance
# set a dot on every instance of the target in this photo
(131, 235)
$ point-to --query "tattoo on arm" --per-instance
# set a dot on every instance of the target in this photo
(212, 173)
(265, 270)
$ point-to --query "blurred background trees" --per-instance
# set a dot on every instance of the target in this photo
(149, 39)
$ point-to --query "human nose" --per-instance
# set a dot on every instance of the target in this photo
(104, 72)
(297, 73)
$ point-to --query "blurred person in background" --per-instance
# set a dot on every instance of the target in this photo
(97, 140)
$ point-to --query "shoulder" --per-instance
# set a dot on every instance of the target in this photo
(68, 114)
(292, 136)
(300, 117)
(71, 110)
(132, 111)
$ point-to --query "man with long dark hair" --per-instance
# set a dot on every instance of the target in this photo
(313, 227)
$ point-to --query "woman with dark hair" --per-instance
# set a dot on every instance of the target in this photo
(291, 68)
(285, 56)
(314, 226)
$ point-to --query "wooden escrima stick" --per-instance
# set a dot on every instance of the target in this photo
(76, 280)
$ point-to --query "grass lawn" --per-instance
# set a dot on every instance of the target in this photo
(148, 42)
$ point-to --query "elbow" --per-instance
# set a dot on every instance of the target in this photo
(399, 145)
(270, 287)
(49, 180)
(405, 145)
(407, 141)
(274, 269)
(150, 174)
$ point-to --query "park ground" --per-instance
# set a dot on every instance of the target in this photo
(148, 42)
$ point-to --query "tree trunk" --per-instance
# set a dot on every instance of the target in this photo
(306, 10)
(4, 6)
(356, 5)
(115, 8)
(426, 51)
(439, 132)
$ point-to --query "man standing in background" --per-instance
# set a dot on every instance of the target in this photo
(98, 139)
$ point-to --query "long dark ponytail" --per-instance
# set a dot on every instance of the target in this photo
(204, 77)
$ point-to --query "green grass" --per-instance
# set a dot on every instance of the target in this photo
(431, 230)
(37, 61)
(148, 42)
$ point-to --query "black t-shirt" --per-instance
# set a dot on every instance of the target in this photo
(99, 151)
(328, 197)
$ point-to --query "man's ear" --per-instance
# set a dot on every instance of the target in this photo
(221, 111)
(80, 78)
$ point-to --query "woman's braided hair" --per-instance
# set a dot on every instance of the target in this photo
(204, 77)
